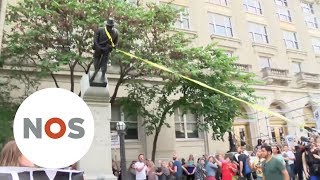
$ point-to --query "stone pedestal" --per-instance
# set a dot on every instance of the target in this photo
(97, 163)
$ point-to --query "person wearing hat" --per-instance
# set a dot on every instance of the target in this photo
(103, 46)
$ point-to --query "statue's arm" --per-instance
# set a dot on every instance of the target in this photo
(116, 38)
(96, 38)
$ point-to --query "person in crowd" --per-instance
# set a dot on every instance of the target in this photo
(272, 168)
(140, 168)
(115, 168)
(276, 152)
(12, 156)
(228, 169)
(177, 167)
(164, 171)
(259, 144)
(244, 167)
(172, 170)
(311, 164)
(289, 159)
(256, 165)
(200, 173)
(190, 167)
(131, 171)
(298, 167)
(211, 169)
(151, 171)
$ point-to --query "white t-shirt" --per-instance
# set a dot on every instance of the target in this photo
(142, 174)
(290, 155)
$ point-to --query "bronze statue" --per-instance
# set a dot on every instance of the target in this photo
(103, 46)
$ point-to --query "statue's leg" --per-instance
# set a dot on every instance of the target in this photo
(96, 62)
(104, 62)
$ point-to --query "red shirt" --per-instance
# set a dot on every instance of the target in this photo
(226, 170)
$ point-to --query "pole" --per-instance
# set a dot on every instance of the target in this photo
(123, 156)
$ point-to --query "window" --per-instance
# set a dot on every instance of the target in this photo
(316, 45)
(290, 40)
(265, 62)
(296, 67)
(220, 2)
(284, 15)
(183, 21)
(310, 19)
(185, 125)
(220, 25)
(258, 33)
(307, 8)
(117, 115)
(281, 2)
(252, 6)
(229, 53)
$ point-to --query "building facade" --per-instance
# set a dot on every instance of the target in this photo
(278, 40)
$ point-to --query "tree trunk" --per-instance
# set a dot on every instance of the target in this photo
(154, 145)
(114, 96)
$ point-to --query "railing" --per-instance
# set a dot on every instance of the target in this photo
(307, 76)
(243, 67)
(267, 71)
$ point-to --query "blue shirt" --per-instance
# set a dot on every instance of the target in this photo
(211, 169)
(179, 168)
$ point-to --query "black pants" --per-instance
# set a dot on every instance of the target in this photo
(190, 177)
(104, 56)
(300, 173)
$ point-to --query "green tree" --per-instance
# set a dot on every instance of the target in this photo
(210, 65)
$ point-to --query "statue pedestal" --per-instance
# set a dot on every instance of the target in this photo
(97, 163)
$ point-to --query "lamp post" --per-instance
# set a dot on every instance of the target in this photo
(121, 128)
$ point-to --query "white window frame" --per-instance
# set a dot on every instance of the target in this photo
(316, 45)
(308, 7)
(183, 16)
(181, 120)
(253, 9)
(268, 60)
(263, 33)
(281, 2)
(227, 21)
(299, 67)
(292, 41)
(286, 17)
(122, 118)
(220, 2)
(311, 21)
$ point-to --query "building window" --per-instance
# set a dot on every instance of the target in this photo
(265, 62)
(185, 125)
(183, 21)
(284, 15)
(316, 45)
(290, 40)
(229, 53)
(281, 2)
(220, 25)
(118, 114)
(252, 6)
(258, 33)
(220, 2)
(307, 8)
(296, 67)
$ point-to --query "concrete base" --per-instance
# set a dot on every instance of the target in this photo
(97, 163)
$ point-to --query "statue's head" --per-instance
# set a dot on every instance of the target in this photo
(109, 23)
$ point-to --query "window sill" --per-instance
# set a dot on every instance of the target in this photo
(232, 39)
(296, 51)
(189, 139)
(226, 6)
(188, 31)
(255, 14)
(264, 48)
(287, 22)
(132, 141)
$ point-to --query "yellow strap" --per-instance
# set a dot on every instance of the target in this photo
(109, 36)
(254, 106)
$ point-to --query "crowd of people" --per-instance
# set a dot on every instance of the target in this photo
(267, 161)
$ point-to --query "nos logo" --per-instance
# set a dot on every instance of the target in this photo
(36, 129)
(53, 128)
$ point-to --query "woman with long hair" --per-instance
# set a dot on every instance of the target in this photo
(151, 171)
(12, 156)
